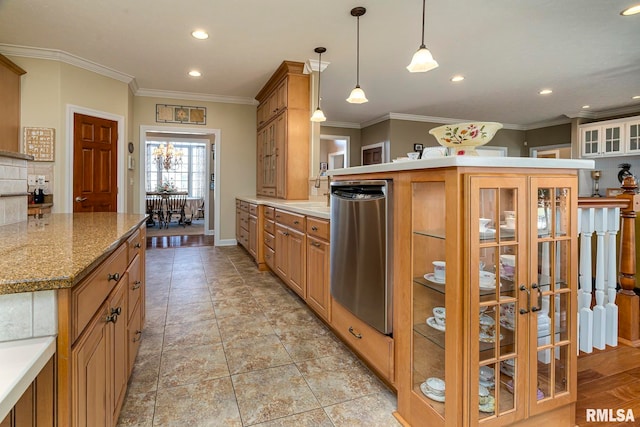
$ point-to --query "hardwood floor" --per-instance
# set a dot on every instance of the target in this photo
(159, 242)
(609, 379)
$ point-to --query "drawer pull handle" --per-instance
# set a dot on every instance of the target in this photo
(539, 307)
(114, 277)
(355, 334)
(316, 244)
(111, 318)
(136, 285)
(137, 245)
(314, 228)
(524, 288)
(138, 335)
(277, 216)
(116, 311)
(296, 222)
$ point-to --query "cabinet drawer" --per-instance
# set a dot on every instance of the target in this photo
(270, 257)
(270, 226)
(134, 286)
(134, 335)
(134, 244)
(374, 347)
(253, 209)
(269, 212)
(270, 240)
(269, 192)
(88, 296)
(244, 238)
(318, 228)
(244, 220)
(291, 220)
(238, 203)
(244, 206)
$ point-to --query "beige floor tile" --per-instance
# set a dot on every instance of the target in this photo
(191, 334)
(186, 313)
(240, 327)
(146, 371)
(220, 293)
(315, 418)
(203, 404)
(272, 393)
(189, 295)
(255, 353)
(137, 410)
(372, 410)
(179, 367)
(338, 379)
(239, 306)
(302, 348)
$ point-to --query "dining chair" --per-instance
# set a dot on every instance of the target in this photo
(155, 210)
(175, 207)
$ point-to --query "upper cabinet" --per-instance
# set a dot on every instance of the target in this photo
(10, 106)
(618, 137)
(283, 134)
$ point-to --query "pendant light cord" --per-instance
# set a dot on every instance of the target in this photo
(319, 77)
(358, 54)
(423, 14)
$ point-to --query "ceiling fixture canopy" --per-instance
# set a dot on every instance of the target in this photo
(357, 95)
(422, 60)
(318, 115)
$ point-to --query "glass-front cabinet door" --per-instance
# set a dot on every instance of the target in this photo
(497, 265)
(552, 277)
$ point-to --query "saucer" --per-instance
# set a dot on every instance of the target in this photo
(425, 390)
(507, 324)
(488, 407)
(484, 337)
(432, 278)
(431, 321)
(488, 233)
(486, 383)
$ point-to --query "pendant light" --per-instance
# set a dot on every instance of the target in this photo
(422, 60)
(357, 94)
(318, 115)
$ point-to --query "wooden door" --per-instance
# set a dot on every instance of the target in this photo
(297, 262)
(318, 276)
(281, 155)
(253, 236)
(372, 156)
(90, 361)
(95, 154)
(282, 251)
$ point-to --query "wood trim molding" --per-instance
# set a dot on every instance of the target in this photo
(11, 65)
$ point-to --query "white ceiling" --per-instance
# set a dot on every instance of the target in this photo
(507, 49)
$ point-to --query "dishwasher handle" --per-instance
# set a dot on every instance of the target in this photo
(358, 193)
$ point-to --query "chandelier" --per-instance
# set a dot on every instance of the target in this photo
(167, 156)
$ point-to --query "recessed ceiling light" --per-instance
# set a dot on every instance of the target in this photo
(635, 97)
(200, 34)
(457, 78)
(584, 107)
(631, 10)
(545, 92)
(195, 73)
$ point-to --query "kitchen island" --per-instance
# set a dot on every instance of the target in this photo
(79, 279)
(498, 327)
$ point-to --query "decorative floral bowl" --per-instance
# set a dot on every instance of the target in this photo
(463, 138)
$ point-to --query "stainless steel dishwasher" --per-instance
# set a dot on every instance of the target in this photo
(361, 247)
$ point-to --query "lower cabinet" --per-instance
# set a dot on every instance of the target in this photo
(290, 250)
(318, 255)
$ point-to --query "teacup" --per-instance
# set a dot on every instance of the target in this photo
(486, 323)
(439, 269)
(440, 314)
(436, 385)
(509, 214)
(510, 222)
(486, 373)
(487, 278)
(484, 222)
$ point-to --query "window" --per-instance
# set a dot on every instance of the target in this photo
(188, 175)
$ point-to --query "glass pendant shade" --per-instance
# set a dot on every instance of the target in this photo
(318, 116)
(422, 61)
(357, 96)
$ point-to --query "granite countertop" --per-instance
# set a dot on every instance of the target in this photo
(314, 207)
(58, 250)
(467, 161)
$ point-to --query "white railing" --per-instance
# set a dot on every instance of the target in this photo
(598, 318)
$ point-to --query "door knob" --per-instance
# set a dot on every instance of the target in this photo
(80, 199)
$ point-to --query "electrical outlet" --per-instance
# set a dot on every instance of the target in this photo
(40, 179)
(31, 179)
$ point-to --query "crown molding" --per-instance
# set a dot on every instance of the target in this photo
(314, 65)
(546, 124)
(443, 120)
(603, 114)
(67, 58)
(154, 93)
(582, 115)
(348, 125)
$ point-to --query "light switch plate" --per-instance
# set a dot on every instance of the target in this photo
(31, 179)
(40, 180)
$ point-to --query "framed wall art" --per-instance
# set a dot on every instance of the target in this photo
(40, 143)
(166, 113)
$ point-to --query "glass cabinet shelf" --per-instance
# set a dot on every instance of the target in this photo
(437, 287)
(438, 234)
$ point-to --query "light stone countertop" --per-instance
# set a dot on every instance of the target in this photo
(21, 363)
(316, 206)
(58, 250)
(467, 161)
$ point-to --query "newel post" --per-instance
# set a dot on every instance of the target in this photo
(628, 301)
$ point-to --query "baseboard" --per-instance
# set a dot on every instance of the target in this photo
(227, 242)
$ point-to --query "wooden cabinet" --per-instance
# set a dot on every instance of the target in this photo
(10, 106)
(36, 405)
(318, 255)
(290, 256)
(499, 328)
(283, 134)
(242, 223)
(617, 137)
(100, 325)
(249, 226)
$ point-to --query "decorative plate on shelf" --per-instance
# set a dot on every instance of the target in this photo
(431, 321)
(488, 407)
(425, 390)
(432, 278)
(487, 234)
(488, 338)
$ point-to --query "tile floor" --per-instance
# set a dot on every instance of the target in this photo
(227, 345)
